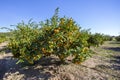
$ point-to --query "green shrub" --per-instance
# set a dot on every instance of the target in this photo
(117, 38)
(108, 38)
(3, 37)
(61, 37)
(23, 43)
(95, 39)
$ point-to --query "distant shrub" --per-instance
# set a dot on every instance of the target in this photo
(108, 38)
(117, 38)
(3, 37)
(95, 39)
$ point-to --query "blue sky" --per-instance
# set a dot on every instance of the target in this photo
(101, 16)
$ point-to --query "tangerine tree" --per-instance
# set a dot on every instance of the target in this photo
(57, 36)
(95, 40)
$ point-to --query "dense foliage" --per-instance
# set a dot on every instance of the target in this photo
(117, 38)
(23, 43)
(108, 38)
(4, 36)
(60, 37)
(95, 40)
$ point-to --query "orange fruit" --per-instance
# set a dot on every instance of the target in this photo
(56, 30)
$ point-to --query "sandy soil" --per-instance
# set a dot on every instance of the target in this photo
(103, 65)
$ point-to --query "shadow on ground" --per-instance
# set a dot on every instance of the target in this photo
(42, 69)
(116, 59)
(117, 49)
(115, 42)
(116, 62)
(110, 70)
(113, 69)
(5, 49)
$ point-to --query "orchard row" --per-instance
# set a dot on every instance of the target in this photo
(58, 36)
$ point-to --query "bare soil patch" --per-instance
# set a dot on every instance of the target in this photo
(103, 65)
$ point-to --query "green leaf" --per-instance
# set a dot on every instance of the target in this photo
(20, 61)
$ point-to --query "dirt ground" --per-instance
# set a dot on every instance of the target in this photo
(103, 65)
